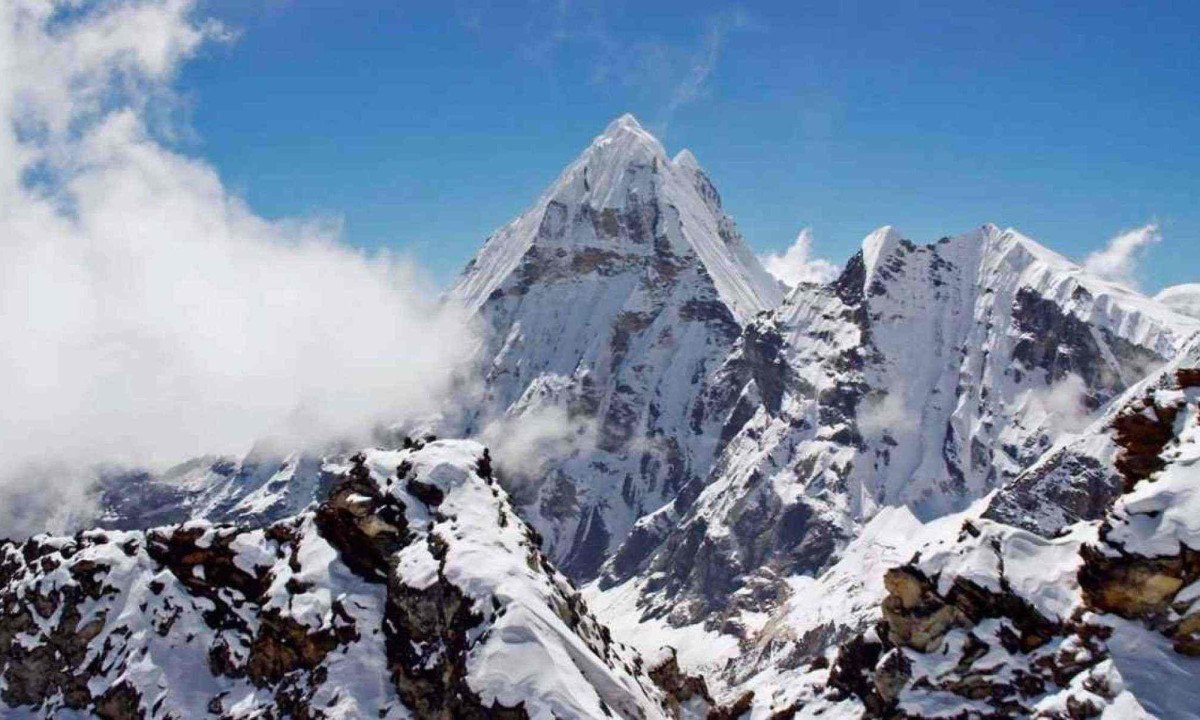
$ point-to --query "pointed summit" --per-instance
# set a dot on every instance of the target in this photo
(623, 195)
(626, 122)
(685, 160)
(627, 132)
(879, 244)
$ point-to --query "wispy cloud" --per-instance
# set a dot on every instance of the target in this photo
(1118, 261)
(669, 74)
(694, 85)
(552, 24)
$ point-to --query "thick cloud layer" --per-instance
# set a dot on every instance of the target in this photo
(148, 315)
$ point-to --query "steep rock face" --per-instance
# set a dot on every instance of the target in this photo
(412, 591)
(1102, 618)
(610, 305)
(924, 376)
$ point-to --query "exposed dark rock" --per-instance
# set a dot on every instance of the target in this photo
(1077, 487)
(681, 689)
(1143, 432)
(365, 525)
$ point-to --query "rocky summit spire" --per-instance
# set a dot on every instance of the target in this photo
(612, 300)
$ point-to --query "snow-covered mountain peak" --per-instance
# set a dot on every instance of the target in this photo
(623, 288)
(879, 244)
(623, 195)
(684, 159)
(616, 154)
(626, 123)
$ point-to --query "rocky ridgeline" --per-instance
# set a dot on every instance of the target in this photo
(1003, 623)
(412, 590)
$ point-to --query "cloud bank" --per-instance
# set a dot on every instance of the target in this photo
(796, 265)
(1119, 259)
(146, 313)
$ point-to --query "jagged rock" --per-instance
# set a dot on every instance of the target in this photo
(914, 614)
(682, 690)
(379, 603)
(1133, 586)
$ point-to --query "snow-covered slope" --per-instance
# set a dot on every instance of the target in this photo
(610, 304)
(1184, 299)
(413, 590)
(925, 376)
(1102, 618)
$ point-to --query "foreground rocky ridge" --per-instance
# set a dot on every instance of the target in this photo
(413, 590)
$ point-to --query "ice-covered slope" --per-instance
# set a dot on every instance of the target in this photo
(925, 376)
(413, 590)
(610, 303)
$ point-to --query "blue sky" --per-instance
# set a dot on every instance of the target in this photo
(427, 125)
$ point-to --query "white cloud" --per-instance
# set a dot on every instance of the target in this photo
(796, 264)
(147, 314)
(1118, 260)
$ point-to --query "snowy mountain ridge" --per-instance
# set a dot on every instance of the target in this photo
(1098, 620)
(924, 376)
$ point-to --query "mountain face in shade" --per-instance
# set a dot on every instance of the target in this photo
(611, 303)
